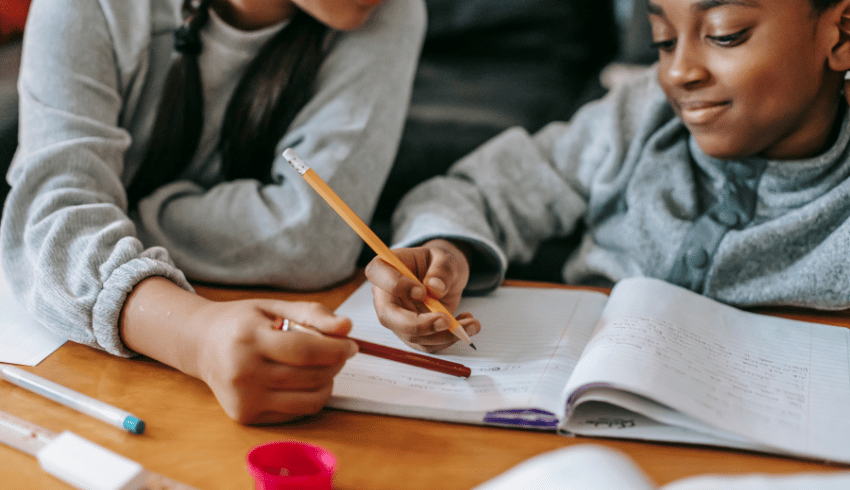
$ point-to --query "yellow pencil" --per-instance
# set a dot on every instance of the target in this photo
(367, 235)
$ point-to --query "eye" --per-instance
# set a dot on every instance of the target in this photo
(730, 40)
(665, 45)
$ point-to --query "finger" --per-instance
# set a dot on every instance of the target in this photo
(385, 277)
(284, 377)
(284, 406)
(308, 313)
(407, 323)
(444, 272)
(384, 301)
(440, 340)
(303, 349)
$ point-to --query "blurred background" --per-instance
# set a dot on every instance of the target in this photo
(486, 65)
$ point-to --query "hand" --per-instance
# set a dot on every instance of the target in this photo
(444, 269)
(261, 375)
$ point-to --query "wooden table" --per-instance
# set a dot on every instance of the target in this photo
(190, 439)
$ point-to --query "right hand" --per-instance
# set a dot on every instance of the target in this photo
(444, 270)
(261, 375)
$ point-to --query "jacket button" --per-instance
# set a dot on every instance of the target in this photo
(696, 257)
(727, 217)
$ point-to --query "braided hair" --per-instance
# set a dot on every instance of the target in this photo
(275, 86)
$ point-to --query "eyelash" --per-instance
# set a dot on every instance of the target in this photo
(730, 40)
(725, 41)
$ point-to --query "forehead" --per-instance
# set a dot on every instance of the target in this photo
(658, 7)
(789, 10)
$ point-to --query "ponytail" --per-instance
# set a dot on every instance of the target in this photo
(177, 128)
(276, 85)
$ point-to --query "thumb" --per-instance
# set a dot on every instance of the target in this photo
(310, 314)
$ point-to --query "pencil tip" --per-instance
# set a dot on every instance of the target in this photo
(473, 346)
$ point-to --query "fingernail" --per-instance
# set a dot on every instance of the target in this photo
(418, 293)
(352, 350)
(441, 324)
(436, 285)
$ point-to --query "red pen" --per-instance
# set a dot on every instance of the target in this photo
(382, 351)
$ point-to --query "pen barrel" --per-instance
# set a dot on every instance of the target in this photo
(413, 359)
(70, 398)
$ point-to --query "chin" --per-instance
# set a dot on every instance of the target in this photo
(722, 148)
(351, 22)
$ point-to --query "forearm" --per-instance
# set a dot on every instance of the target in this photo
(154, 319)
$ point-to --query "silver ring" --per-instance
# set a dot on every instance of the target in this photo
(285, 325)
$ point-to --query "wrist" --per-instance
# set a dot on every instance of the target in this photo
(155, 322)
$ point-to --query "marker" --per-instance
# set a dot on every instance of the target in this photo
(70, 398)
(368, 235)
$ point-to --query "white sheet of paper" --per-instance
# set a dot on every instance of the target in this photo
(579, 467)
(594, 467)
(525, 354)
(22, 340)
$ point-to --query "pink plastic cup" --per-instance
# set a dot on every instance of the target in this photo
(291, 465)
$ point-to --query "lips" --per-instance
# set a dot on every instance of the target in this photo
(701, 112)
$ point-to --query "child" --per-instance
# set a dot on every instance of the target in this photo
(724, 170)
(150, 134)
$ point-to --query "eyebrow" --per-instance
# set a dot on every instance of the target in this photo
(704, 5)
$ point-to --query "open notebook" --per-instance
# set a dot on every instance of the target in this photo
(651, 361)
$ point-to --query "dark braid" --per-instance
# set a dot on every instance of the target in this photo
(275, 86)
(178, 124)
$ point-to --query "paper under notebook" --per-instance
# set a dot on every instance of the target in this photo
(22, 340)
(592, 467)
(651, 361)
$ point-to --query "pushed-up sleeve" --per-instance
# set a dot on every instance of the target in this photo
(283, 234)
(69, 249)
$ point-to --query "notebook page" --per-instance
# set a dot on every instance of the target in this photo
(577, 467)
(530, 341)
(779, 382)
(807, 481)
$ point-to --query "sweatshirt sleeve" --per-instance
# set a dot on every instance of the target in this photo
(284, 234)
(69, 249)
(519, 189)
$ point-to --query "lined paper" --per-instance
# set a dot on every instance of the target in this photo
(530, 342)
(780, 382)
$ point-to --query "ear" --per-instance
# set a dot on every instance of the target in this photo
(839, 25)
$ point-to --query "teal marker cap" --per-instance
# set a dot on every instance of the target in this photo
(134, 424)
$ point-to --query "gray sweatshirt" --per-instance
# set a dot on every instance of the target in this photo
(750, 232)
(91, 77)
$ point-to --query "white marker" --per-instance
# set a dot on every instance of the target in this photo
(70, 398)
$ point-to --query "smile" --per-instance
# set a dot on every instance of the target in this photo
(701, 112)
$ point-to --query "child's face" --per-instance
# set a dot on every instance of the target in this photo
(748, 77)
(344, 15)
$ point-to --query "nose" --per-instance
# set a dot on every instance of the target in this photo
(684, 67)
